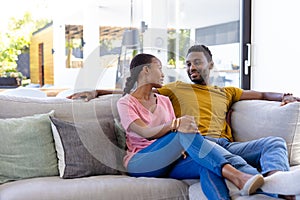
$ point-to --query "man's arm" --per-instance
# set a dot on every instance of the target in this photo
(88, 95)
(284, 98)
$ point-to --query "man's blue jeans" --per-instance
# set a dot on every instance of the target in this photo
(265, 154)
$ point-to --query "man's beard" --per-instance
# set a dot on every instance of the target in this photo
(200, 81)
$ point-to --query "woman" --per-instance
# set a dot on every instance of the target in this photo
(157, 141)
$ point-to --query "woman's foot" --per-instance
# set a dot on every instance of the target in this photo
(252, 185)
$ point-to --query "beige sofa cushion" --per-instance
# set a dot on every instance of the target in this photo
(106, 187)
(253, 119)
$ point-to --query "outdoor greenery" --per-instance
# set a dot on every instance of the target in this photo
(16, 40)
(182, 36)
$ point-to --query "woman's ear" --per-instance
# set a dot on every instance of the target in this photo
(146, 69)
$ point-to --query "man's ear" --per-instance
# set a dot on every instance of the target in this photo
(211, 65)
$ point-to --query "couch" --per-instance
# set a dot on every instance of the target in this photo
(55, 148)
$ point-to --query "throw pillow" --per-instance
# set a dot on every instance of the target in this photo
(74, 158)
(120, 134)
(27, 148)
(121, 141)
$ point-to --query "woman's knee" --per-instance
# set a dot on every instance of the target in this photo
(236, 161)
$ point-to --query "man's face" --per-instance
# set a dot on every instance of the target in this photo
(198, 67)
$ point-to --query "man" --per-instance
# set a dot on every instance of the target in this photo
(210, 105)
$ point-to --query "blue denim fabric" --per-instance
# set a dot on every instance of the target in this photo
(213, 185)
(265, 154)
(163, 158)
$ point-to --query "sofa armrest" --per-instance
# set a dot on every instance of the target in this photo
(254, 119)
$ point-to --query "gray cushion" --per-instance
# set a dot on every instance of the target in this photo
(26, 148)
(121, 139)
(77, 161)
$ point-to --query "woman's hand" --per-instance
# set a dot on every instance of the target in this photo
(187, 124)
(87, 95)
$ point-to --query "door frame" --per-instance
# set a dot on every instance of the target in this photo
(245, 43)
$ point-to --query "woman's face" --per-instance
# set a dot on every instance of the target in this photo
(155, 76)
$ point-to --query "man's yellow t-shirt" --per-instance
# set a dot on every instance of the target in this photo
(208, 104)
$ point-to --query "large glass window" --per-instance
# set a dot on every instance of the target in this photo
(121, 29)
(74, 46)
(182, 23)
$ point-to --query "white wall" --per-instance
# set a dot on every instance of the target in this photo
(276, 46)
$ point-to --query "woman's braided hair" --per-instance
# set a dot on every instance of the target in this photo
(136, 66)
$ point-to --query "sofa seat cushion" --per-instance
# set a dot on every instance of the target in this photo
(253, 119)
(95, 187)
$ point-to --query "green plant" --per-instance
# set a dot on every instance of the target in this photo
(6, 72)
(16, 40)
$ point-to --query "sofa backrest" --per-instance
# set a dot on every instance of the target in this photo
(250, 120)
(253, 119)
(98, 113)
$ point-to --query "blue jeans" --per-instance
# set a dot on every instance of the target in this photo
(163, 158)
(264, 154)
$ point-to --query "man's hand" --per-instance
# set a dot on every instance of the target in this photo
(287, 98)
(87, 95)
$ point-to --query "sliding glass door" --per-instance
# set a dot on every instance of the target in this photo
(167, 28)
(172, 26)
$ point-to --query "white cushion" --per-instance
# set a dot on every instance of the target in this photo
(254, 119)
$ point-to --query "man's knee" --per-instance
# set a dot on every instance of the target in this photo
(274, 141)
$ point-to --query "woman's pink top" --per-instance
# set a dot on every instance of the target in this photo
(130, 109)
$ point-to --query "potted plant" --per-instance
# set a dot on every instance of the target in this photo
(9, 75)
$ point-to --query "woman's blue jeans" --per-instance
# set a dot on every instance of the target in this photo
(163, 158)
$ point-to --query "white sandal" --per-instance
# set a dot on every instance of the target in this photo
(252, 185)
